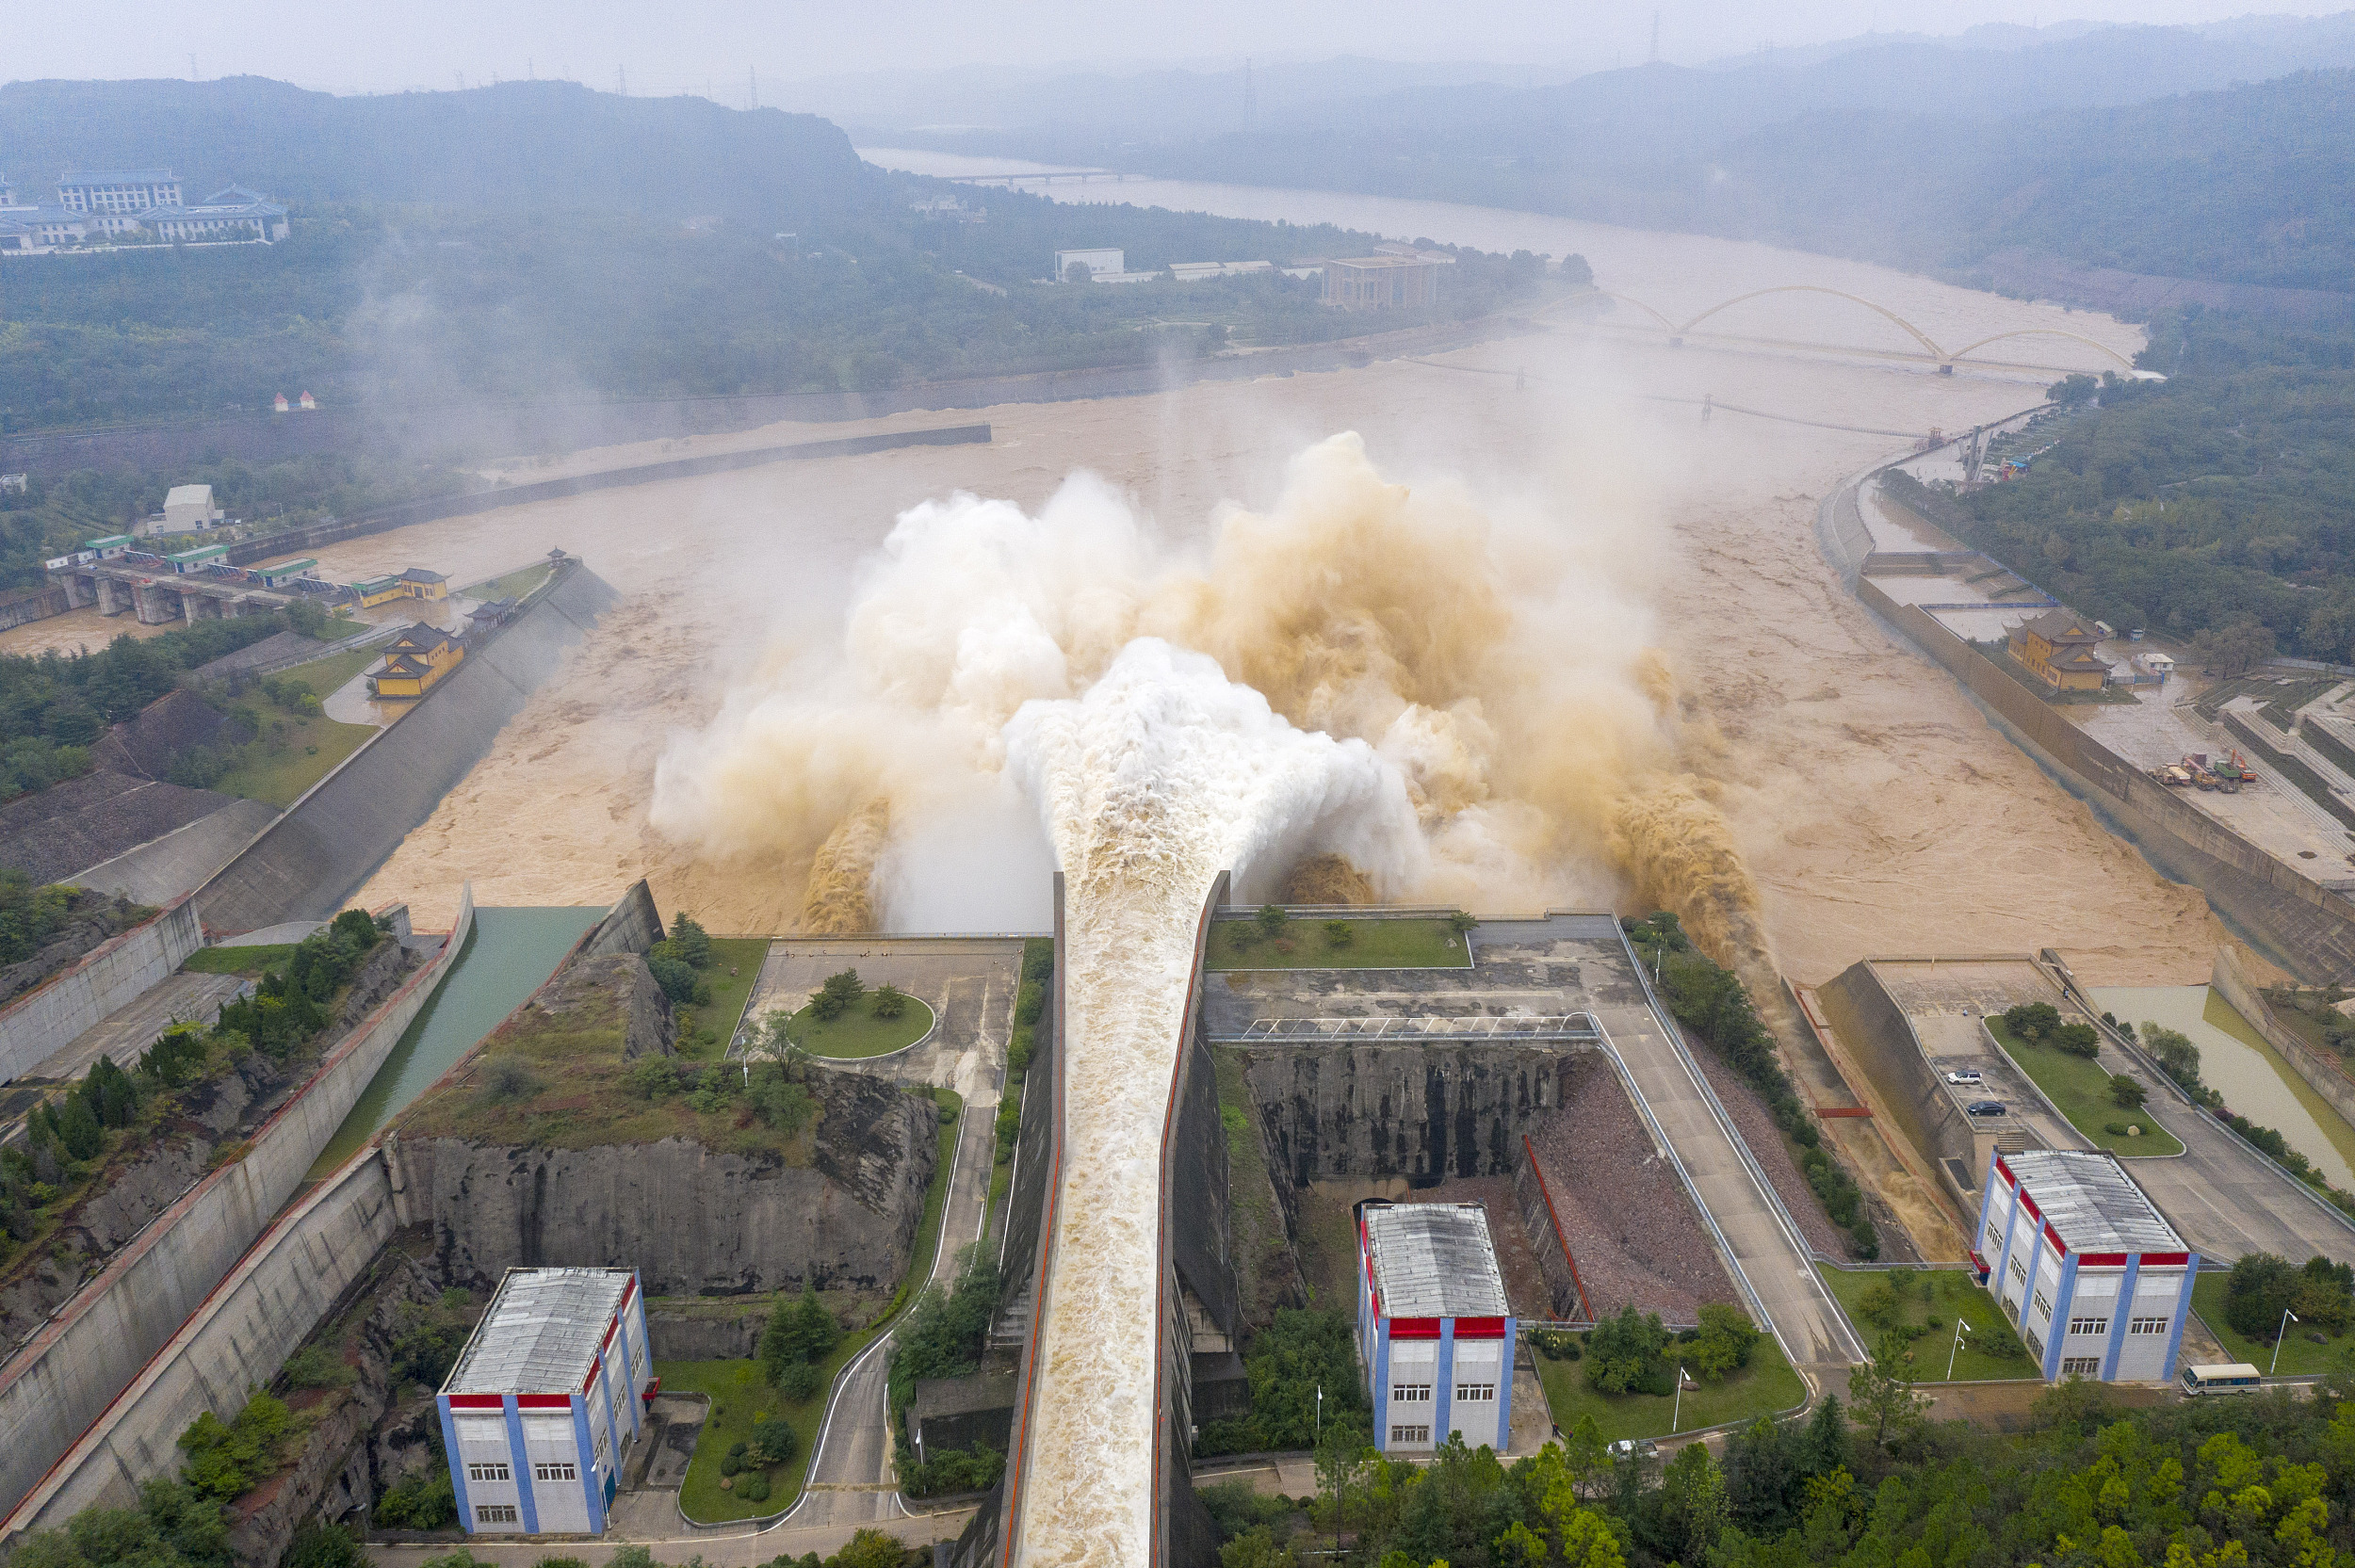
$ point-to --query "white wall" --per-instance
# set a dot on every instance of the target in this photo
(113, 974)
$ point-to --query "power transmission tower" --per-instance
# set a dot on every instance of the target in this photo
(752, 75)
(1250, 94)
(621, 77)
(1654, 58)
(192, 75)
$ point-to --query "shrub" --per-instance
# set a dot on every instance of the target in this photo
(425, 1501)
(676, 977)
(2032, 1021)
(2127, 1090)
(1463, 925)
(1725, 1341)
(754, 1488)
(317, 1367)
(324, 1546)
(2177, 1057)
(1272, 919)
(835, 998)
(1878, 1305)
(1624, 1353)
(2078, 1040)
(800, 1381)
(800, 1331)
(1340, 933)
(507, 1078)
(227, 1458)
(562, 1563)
(890, 1002)
(2261, 1288)
(773, 1443)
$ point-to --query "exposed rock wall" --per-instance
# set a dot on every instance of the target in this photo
(1424, 1112)
(91, 919)
(332, 1476)
(624, 981)
(687, 1336)
(692, 1219)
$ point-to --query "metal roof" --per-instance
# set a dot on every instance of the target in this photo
(2091, 1203)
(1434, 1260)
(541, 1333)
(118, 177)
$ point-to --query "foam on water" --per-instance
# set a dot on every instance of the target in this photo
(1162, 774)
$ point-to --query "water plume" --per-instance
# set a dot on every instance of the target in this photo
(1326, 880)
(839, 899)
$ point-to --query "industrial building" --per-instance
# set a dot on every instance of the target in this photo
(1098, 260)
(543, 1399)
(1381, 283)
(1434, 1330)
(2057, 648)
(186, 508)
(135, 205)
(2087, 1267)
(415, 583)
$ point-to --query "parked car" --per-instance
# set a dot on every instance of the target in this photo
(1964, 1075)
(1985, 1107)
(1635, 1447)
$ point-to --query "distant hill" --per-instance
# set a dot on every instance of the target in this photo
(531, 144)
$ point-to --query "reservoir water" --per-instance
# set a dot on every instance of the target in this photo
(2236, 1063)
(509, 954)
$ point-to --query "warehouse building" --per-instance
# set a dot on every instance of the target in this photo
(544, 1398)
(2087, 1267)
(1434, 1331)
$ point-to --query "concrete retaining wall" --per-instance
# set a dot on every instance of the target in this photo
(2268, 750)
(114, 974)
(281, 1290)
(1873, 1027)
(329, 842)
(32, 604)
(69, 1373)
(2322, 1071)
(316, 535)
(2307, 928)
(633, 925)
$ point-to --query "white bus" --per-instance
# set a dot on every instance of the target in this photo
(2230, 1377)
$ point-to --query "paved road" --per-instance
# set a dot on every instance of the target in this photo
(2224, 1198)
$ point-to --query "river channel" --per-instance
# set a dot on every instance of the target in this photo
(2236, 1063)
(509, 954)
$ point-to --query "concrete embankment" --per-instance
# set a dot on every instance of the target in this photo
(326, 845)
(69, 1374)
(2301, 924)
(2323, 1072)
(1876, 1032)
(112, 975)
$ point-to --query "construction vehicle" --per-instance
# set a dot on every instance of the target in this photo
(2174, 775)
(2237, 767)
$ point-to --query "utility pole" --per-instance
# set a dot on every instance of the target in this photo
(1654, 59)
(752, 75)
(1250, 94)
(620, 78)
(192, 75)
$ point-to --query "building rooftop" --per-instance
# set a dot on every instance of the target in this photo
(1434, 1260)
(2091, 1203)
(116, 177)
(189, 495)
(542, 1333)
(419, 575)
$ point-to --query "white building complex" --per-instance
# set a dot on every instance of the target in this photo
(133, 205)
(544, 1398)
(1434, 1330)
(2086, 1266)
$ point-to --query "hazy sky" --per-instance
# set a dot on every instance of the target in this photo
(686, 44)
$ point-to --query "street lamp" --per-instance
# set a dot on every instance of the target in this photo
(1320, 1412)
(2279, 1335)
(1962, 1328)
(1677, 1415)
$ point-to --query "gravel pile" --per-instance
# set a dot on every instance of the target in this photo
(1630, 1226)
(1756, 1124)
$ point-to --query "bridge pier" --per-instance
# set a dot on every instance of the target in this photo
(199, 606)
(156, 603)
(79, 593)
(113, 598)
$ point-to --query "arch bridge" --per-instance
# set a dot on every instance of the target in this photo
(1930, 350)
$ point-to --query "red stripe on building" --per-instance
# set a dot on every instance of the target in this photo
(2005, 1170)
(544, 1401)
(1414, 1328)
(478, 1401)
(2162, 1260)
(2102, 1260)
(611, 1329)
(2053, 1236)
(1480, 1327)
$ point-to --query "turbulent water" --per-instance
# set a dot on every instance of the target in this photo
(1366, 690)
(1161, 775)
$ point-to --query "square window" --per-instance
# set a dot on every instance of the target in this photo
(496, 1514)
(488, 1473)
(1410, 1434)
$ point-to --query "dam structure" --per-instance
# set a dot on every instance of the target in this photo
(1403, 1077)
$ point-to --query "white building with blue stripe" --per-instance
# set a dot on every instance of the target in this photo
(2087, 1267)
(544, 1399)
(1435, 1333)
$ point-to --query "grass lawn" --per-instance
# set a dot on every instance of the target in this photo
(1953, 1296)
(1307, 944)
(2299, 1354)
(2082, 1091)
(718, 1016)
(277, 773)
(741, 1395)
(238, 961)
(858, 1032)
(513, 585)
(1766, 1386)
(323, 676)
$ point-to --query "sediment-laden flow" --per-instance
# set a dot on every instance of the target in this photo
(1161, 775)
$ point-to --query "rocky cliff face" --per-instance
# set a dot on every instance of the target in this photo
(623, 983)
(91, 919)
(332, 1476)
(1425, 1112)
(692, 1219)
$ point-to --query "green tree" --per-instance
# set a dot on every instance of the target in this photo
(2177, 1057)
(689, 940)
(1623, 1353)
(2032, 1021)
(890, 1002)
(1727, 1338)
(2078, 1040)
(800, 1331)
(1881, 1397)
(773, 1443)
(2127, 1090)
(1693, 1502)
(835, 998)
(2260, 1289)
(1272, 919)
(870, 1548)
(1340, 933)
